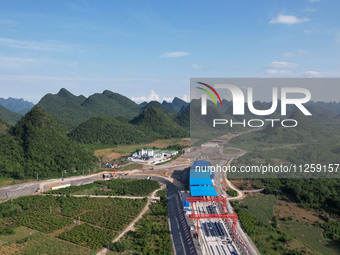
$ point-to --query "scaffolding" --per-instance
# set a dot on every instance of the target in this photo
(224, 215)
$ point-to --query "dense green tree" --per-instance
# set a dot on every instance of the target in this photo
(37, 146)
(9, 116)
(154, 120)
(106, 130)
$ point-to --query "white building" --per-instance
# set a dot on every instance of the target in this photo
(145, 153)
(152, 156)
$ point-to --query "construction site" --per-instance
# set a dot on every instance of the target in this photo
(215, 226)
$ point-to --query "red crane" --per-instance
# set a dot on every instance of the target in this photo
(223, 200)
(224, 215)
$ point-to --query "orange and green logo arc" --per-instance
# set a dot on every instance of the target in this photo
(209, 93)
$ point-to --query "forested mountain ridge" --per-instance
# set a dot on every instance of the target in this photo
(37, 146)
(20, 106)
(158, 105)
(163, 126)
(176, 105)
(106, 130)
(9, 116)
(3, 127)
(150, 125)
(71, 110)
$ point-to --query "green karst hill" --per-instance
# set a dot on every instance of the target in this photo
(37, 146)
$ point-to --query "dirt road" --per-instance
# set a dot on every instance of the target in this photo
(131, 226)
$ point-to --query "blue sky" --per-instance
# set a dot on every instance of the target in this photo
(148, 50)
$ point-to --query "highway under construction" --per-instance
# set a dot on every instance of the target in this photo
(215, 225)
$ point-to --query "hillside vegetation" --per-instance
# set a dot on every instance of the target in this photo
(176, 105)
(308, 143)
(71, 110)
(106, 130)
(35, 146)
(160, 124)
(89, 222)
(9, 116)
(114, 187)
(150, 125)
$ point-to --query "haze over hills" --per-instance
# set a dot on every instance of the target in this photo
(16, 105)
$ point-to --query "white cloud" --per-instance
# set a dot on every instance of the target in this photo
(281, 64)
(34, 45)
(288, 20)
(196, 66)
(175, 54)
(168, 99)
(313, 1)
(185, 98)
(139, 99)
(274, 72)
(152, 97)
(313, 74)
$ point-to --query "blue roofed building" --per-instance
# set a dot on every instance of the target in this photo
(203, 191)
(201, 180)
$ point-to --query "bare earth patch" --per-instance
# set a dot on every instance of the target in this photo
(244, 184)
(289, 209)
